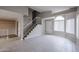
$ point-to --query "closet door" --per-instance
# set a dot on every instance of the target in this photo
(48, 26)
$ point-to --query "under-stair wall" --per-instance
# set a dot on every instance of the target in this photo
(37, 31)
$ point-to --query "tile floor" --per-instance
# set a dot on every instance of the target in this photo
(45, 43)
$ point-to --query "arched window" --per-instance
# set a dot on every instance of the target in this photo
(59, 18)
(59, 23)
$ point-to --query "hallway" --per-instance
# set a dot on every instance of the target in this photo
(45, 43)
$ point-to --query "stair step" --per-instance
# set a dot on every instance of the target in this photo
(29, 30)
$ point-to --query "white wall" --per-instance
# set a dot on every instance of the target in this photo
(19, 9)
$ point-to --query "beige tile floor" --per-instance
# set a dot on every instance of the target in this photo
(4, 42)
(46, 43)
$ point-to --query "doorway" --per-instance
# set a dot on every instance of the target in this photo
(49, 26)
(8, 28)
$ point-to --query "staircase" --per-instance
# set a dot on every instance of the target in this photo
(29, 29)
(36, 32)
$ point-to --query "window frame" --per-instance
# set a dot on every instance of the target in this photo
(63, 19)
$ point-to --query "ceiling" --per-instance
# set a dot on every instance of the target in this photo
(50, 8)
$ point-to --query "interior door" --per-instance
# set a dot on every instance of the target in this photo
(49, 26)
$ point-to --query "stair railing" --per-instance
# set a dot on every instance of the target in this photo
(29, 28)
